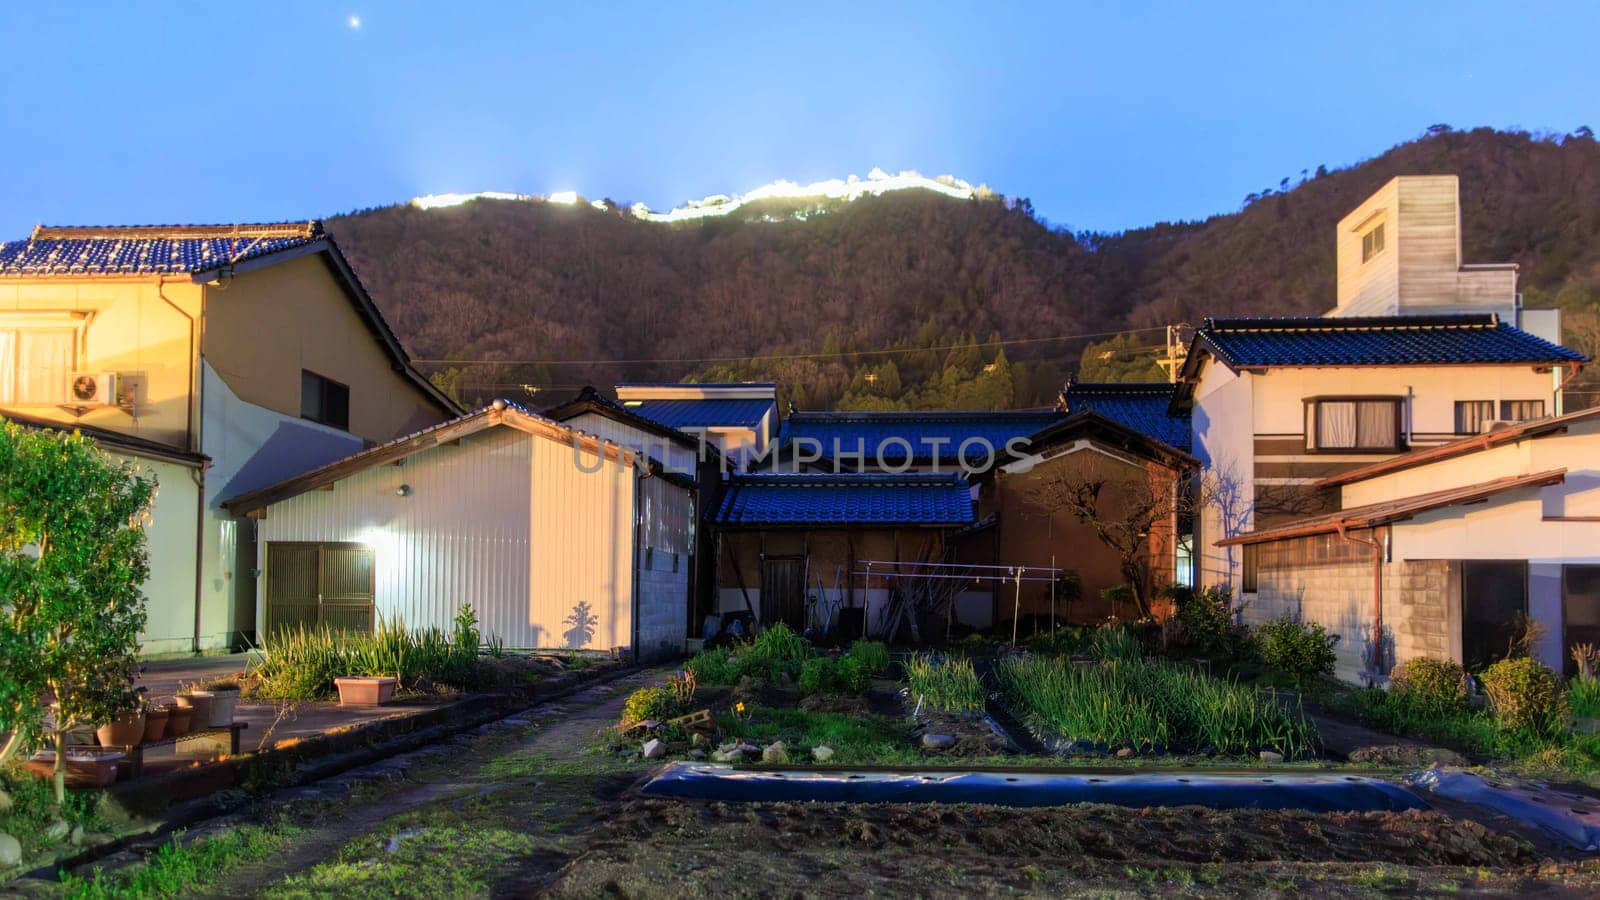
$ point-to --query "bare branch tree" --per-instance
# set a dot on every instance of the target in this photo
(1125, 505)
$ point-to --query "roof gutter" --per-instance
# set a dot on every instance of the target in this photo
(1561, 389)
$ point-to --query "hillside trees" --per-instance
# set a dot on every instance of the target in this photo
(508, 282)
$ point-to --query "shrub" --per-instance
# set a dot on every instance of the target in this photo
(713, 666)
(1206, 622)
(873, 655)
(654, 703)
(948, 685)
(1297, 649)
(1433, 686)
(826, 675)
(776, 652)
(779, 642)
(1525, 696)
(1138, 703)
(1115, 642)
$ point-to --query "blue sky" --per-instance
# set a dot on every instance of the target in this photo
(1106, 115)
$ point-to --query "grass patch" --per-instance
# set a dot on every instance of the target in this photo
(1140, 703)
(1583, 694)
(301, 663)
(945, 685)
(872, 655)
(597, 764)
(854, 738)
(1473, 732)
(177, 870)
(776, 651)
(430, 861)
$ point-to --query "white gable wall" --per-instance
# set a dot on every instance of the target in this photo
(504, 521)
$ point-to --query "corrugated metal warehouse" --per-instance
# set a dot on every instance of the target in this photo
(556, 538)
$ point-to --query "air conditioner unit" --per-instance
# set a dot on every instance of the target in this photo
(92, 388)
(1496, 425)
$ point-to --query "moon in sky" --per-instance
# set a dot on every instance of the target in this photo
(355, 23)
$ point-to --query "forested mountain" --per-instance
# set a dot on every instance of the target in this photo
(970, 297)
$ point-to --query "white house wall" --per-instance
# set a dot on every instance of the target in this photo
(461, 536)
(1223, 440)
(580, 557)
(1432, 392)
(170, 543)
(250, 447)
(675, 456)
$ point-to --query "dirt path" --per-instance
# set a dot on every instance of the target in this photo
(390, 804)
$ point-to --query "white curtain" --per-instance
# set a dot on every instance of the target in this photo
(1377, 425)
(44, 359)
(1336, 424)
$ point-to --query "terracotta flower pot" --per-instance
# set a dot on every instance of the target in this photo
(199, 703)
(127, 731)
(223, 702)
(86, 767)
(366, 690)
(178, 722)
(155, 723)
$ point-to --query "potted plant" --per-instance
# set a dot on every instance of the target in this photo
(155, 722)
(366, 690)
(125, 731)
(224, 698)
(178, 719)
(198, 702)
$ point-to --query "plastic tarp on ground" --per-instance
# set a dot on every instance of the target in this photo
(1313, 792)
(1573, 818)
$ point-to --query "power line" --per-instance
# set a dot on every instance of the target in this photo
(775, 356)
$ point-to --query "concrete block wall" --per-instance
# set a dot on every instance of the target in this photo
(1325, 580)
(663, 606)
(1417, 609)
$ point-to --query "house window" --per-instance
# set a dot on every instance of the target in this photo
(35, 364)
(1521, 410)
(323, 400)
(1372, 243)
(1473, 416)
(1250, 570)
(1358, 424)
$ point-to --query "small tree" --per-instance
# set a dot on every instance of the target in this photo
(1125, 505)
(72, 560)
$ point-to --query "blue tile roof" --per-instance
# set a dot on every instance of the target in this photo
(1376, 341)
(829, 500)
(1142, 406)
(927, 433)
(149, 249)
(706, 413)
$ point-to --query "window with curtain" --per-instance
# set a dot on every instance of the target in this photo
(1472, 416)
(1521, 410)
(1353, 424)
(34, 365)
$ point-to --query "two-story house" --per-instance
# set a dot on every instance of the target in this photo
(222, 359)
(1419, 351)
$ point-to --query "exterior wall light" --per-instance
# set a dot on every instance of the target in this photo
(403, 490)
